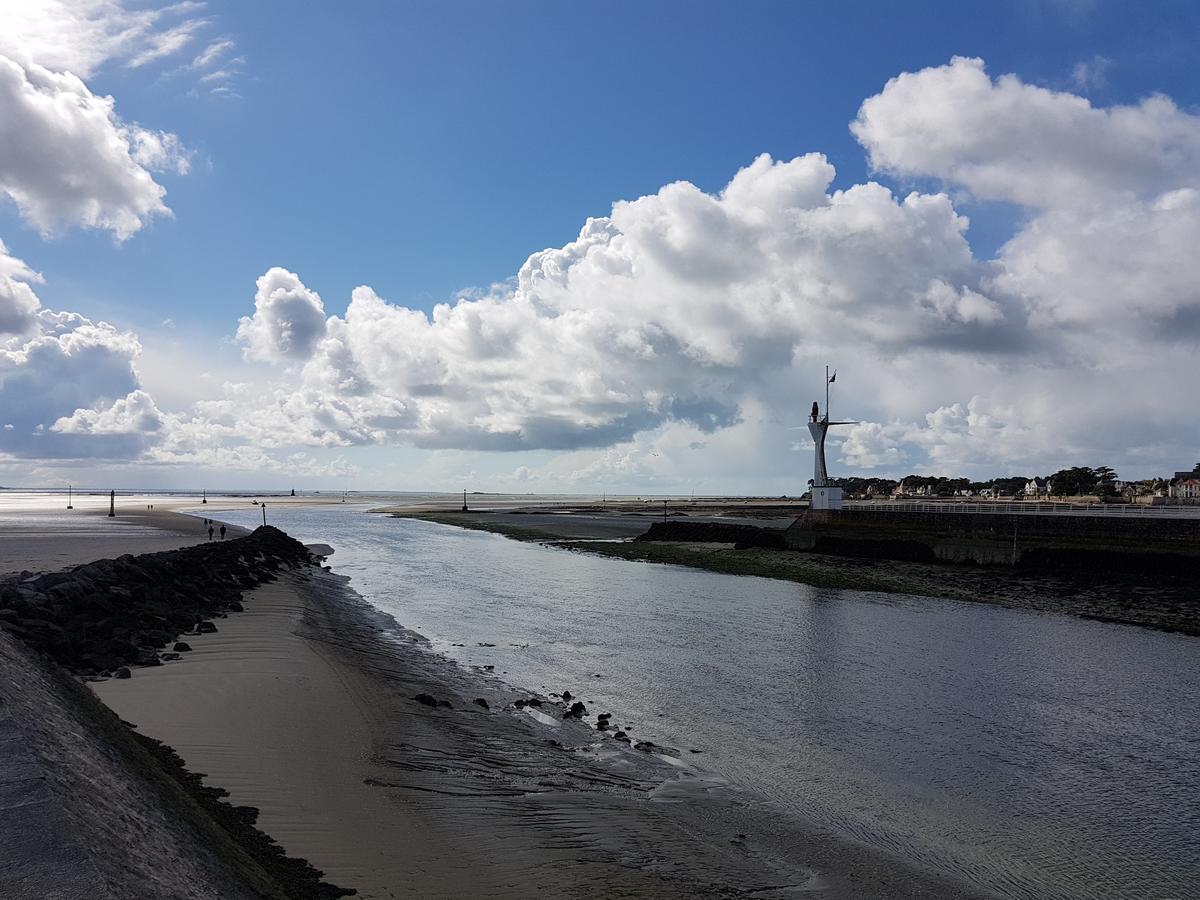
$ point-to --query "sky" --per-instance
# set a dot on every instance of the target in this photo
(554, 248)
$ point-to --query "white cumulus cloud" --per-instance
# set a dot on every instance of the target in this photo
(288, 320)
(66, 159)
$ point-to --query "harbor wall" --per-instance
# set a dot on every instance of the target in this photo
(1040, 542)
(1022, 541)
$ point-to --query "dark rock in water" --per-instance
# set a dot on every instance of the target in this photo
(489, 668)
(168, 657)
(602, 725)
(645, 746)
(534, 701)
(520, 704)
(206, 628)
(621, 736)
(566, 695)
(604, 716)
(426, 700)
(479, 701)
(182, 647)
(236, 606)
(577, 711)
(486, 644)
(123, 672)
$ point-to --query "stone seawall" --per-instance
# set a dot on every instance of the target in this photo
(1045, 543)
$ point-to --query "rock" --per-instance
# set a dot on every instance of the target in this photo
(486, 644)
(235, 606)
(645, 746)
(445, 703)
(602, 725)
(123, 672)
(604, 716)
(622, 736)
(534, 701)
(182, 647)
(479, 701)
(566, 695)
(206, 628)
(520, 704)
(577, 711)
(425, 700)
(169, 657)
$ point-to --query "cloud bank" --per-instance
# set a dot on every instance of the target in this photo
(686, 330)
(682, 308)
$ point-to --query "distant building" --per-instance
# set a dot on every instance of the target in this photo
(1037, 487)
(1185, 486)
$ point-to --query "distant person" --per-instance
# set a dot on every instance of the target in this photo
(210, 532)
(222, 532)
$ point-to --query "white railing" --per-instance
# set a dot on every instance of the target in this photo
(1029, 509)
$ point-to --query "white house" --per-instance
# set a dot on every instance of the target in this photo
(1037, 487)
(1185, 486)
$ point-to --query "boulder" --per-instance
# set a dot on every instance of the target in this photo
(122, 672)
(206, 627)
(480, 701)
(182, 647)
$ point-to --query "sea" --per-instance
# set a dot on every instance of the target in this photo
(1029, 754)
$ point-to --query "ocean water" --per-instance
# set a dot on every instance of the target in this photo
(1034, 755)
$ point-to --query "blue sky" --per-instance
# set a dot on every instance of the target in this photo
(426, 149)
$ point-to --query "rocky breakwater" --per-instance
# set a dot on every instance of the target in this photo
(89, 807)
(100, 618)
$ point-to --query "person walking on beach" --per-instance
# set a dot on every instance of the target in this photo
(210, 532)
(222, 532)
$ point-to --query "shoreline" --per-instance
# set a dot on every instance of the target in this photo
(1170, 604)
(460, 800)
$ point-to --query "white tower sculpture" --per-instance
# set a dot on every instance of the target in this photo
(824, 495)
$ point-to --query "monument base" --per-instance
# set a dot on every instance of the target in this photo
(826, 498)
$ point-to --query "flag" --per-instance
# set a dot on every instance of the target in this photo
(833, 377)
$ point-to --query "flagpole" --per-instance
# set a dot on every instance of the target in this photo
(827, 393)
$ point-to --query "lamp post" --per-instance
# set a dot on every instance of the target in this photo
(69, 504)
(264, 510)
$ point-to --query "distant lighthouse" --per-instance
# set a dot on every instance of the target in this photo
(824, 495)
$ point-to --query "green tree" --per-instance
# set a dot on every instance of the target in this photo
(1074, 481)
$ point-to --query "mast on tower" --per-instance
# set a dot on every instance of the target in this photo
(824, 495)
